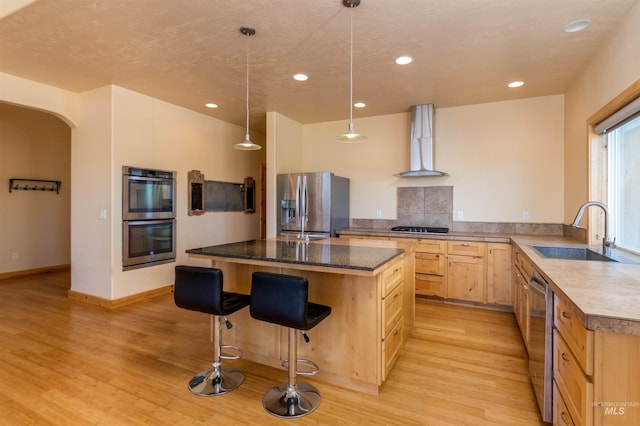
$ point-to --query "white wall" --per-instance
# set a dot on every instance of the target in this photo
(284, 155)
(91, 158)
(503, 158)
(117, 127)
(31, 94)
(34, 224)
(155, 134)
(369, 165)
(614, 68)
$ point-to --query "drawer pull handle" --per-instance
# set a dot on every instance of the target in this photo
(465, 244)
(395, 296)
(566, 315)
(565, 357)
(395, 333)
(564, 417)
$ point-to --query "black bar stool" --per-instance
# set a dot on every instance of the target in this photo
(200, 289)
(284, 300)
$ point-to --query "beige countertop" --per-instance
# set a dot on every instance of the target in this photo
(606, 293)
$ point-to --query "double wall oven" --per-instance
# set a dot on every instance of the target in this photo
(148, 217)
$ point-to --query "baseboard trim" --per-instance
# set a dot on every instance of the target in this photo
(36, 271)
(123, 301)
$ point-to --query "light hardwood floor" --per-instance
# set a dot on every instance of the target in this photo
(67, 363)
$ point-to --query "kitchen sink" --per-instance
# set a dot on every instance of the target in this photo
(572, 253)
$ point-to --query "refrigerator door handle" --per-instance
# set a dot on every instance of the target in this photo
(305, 200)
(297, 213)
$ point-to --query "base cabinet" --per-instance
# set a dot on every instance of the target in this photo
(430, 268)
(392, 315)
(499, 274)
(596, 374)
(465, 275)
(522, 268)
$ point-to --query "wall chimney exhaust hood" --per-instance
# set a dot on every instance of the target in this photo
(421, 143)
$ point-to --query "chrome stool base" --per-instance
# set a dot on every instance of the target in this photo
(286, 401)
(211, 382)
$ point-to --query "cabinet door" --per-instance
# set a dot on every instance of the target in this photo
(499, 276)
(521, 307)
(466, 278)
(430, 285)
(430, 263)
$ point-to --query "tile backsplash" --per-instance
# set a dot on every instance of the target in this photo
(433, 206)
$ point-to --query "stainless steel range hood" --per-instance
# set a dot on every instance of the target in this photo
(421, 143)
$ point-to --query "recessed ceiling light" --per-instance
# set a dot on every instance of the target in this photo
(359, 105)
(575, 26)
(301, 77)
(515, 84)
(404, 60)
(211, 105)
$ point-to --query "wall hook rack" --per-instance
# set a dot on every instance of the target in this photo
(18, 184)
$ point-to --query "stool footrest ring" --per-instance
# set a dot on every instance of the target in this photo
(312, 371)
(237, 355)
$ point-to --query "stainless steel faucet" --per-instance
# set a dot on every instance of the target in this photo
(607, 243)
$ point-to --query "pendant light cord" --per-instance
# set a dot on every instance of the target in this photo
(247, 134)
(351, 69)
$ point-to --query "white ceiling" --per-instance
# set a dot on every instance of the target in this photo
(189, 52)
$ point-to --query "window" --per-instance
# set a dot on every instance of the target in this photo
(623, 181)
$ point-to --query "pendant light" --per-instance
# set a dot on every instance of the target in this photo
(247, 145)
(351, 135)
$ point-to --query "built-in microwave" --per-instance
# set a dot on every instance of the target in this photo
(148, 194)
(148, 242)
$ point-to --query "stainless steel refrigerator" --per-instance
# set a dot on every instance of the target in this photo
(314, 204)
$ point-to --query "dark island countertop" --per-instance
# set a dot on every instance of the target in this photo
(329, 252)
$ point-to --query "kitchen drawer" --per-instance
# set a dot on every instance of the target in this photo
(523, 263)
(391, 310)
(466, 248)
(574, 386)
(391, 346)
(430, 285)
(430, 263)
(391, 277)
(431, 246)
(561, 416)
(567, 320)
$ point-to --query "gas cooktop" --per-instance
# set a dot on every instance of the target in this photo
(421, 229)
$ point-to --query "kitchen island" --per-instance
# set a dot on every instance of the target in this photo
(368, 284)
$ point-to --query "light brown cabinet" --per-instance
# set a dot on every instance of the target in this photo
(430, 268)
(499, 274)
(392, 315)
(595, 372)
(466, 271)
(470, 271)
(521, 270)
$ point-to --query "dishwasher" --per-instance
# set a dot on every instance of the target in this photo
(541, 342)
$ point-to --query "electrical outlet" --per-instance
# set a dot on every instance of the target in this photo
(15, 255)
(378, 213)
(460, 215)
(525, 216)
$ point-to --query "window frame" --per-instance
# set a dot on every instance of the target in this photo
(598, 158)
